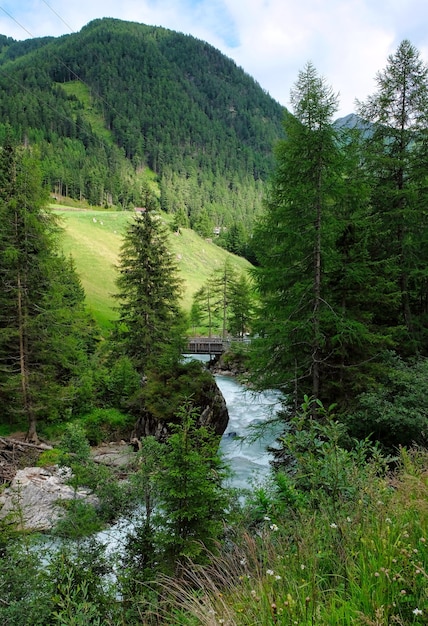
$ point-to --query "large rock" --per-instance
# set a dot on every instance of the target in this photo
(32, 501)
(212, 409)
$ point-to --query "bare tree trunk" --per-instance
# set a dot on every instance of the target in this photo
(23, 359)
(316, 356)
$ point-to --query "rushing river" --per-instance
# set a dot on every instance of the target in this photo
(247, 456)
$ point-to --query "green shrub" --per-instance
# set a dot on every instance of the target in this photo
(119, 383)
(165, 392)
(74, 445)
(395, 413)
(80, 520)
(48, 458)
(106, 425)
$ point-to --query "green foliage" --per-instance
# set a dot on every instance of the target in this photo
(80, 595)
(113, 498)
(341, 248)
(149, 289)
(313, 451)
(141, 558)
(45, 328)
(394, 413)
(225, 302)
(293, 242)
(165, 391)
(93, 238)
(396, 158)
(24, 595)
(146, 97)
(101, 425)
(80, 519)
(74, 445)
(242, 307)
(48, 458)
(192, 501)
(314, 551)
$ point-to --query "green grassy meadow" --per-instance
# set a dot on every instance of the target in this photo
(94, 237)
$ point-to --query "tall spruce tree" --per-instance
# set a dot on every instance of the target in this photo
(241, 313)
(149, 290)
(397, 160)
(192, 500)
(293, 239)
(43, 329)
(316, 279)
(221, 282)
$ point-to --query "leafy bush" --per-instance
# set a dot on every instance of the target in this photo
(119, 383)
(80, 520)
(334, 540)
(48, 458)
(396, 412)
(106, 425)
(74, 445)
(166, 391)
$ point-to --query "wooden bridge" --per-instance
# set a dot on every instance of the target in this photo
(207, 345)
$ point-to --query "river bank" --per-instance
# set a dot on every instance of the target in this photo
(243, 445)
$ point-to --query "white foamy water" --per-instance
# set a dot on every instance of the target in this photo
(247, 456)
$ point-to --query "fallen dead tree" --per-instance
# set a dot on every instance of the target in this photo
(14, 454)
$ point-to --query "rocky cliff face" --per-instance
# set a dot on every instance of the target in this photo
(213, 414)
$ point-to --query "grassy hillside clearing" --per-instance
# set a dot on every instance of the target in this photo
(94, 237)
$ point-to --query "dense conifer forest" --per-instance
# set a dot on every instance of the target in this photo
(336, 305)
(118, 97)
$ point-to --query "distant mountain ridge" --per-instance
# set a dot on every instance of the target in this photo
(107, 103)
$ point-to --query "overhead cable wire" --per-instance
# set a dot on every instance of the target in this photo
(72, 30)
(72, 72)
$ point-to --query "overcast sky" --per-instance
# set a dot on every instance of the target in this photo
(348, 41)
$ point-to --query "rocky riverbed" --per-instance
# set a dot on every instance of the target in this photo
(34, 496)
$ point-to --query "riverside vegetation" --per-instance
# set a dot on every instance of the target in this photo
(338, 533)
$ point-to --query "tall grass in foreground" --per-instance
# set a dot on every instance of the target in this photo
(354, 556)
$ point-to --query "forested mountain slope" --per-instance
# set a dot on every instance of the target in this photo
(109, 102)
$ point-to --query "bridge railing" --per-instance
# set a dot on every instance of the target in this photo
(206, 345)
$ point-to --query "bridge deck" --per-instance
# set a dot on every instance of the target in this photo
(206, 345)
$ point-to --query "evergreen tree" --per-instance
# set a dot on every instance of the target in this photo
(318, 281)
(43, 338)
(203, 307)
(396, 154)
(234, 239)
(196, 316)
(149, 292)
(293, 240)
(221, 285)
(241, 306)
(192, 500)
